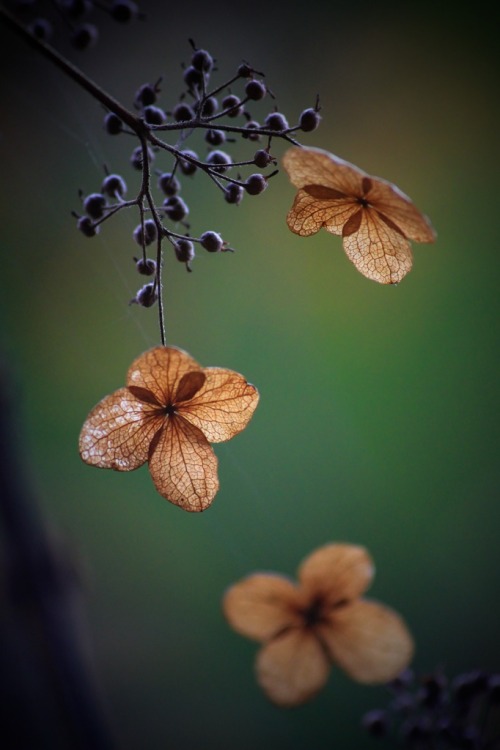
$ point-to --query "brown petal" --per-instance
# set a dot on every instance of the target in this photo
(189, 385)
(183, 465)
(336, 573)
(398, 207)
(292, 668)
(369, 641)
(379, 252)
(118, 431)
(261, 606)
(223, 406)
(160, 370)
(313, 166)
(309, 214)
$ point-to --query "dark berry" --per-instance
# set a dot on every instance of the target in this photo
(215, 137)
(154, 115)
(202, 60)
(84, 36)
(309, 120)
(146, 296)
(219, 160)
(169, 184)
(175, 208)
(469, 685)
(147, 235)
(183, 112)
(124, 10)
(210, 106)
(77, 8)
(136, 157)
(86, 226)
(184, 250)
(94, 205)
(145, 266)
(255, 90)
(255, 184)
(244, 70)
(145, 95)
(185, 165)
(113, 124)
(252, 126)
(212, 242)
(262, 158)
(193, 77)
(41, 28)
(114, 186)
(376, 723)
(276, 121)
(233, 193)
(232, 103)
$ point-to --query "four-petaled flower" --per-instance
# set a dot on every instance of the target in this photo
(307, 627)
(374, 217)
(168, 414)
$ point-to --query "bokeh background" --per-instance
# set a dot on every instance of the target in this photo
(379, 406)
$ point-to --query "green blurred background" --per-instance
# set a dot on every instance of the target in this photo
(378, 416)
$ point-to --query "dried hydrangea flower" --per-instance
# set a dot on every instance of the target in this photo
(167, 415)
(322, 620)
(375, 219)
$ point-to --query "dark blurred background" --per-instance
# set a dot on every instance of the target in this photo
(378, 416)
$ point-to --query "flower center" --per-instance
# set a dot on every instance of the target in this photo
(170, 410)
(313, 614)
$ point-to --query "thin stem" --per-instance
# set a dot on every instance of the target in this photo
(108, 101)
(146, 193)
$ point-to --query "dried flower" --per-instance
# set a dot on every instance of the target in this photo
(375, 219)
(307, 627)
(168, 414)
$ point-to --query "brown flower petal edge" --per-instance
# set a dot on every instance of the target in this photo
(336, 572)
(262, 605)
(292, 668)
(375, 218)
(167, 415)
(369, 641)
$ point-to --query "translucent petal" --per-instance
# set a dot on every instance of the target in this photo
(223, 406)
(183, 465)
(160, 370)
(313, 166)
(374, 216)
(261, 606)
(118, 431)
(292, 668)
(368, 640)
(336, 573)
(309, 214)
(390, 201)
(378, 251)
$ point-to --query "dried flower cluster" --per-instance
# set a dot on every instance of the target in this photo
(167, 415)
(308, 626)
(375, 219)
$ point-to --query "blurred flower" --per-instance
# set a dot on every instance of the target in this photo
(168, 414)
(375, 219)
(307, 627)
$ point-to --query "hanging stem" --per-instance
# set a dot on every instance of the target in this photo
(136, 124)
